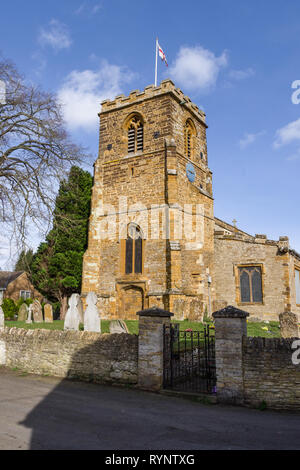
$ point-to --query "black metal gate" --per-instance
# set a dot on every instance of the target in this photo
(189, 360)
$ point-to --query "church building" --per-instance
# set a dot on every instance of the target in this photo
(153, 237)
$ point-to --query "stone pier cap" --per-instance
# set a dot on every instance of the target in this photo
(155, 312)
(230, 312)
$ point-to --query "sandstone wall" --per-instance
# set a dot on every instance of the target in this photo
(294, 263)
(253, 371)
(175, 275)
(269, 374)
(230, 252)
(88, 356)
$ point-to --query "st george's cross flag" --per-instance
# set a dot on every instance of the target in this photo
(162, 55)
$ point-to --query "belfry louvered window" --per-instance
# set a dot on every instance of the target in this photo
(250, 284)
(189, 132)
(135, 135)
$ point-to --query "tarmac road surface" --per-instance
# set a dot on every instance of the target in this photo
(49, 413)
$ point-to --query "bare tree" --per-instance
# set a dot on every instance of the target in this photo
(35, 153)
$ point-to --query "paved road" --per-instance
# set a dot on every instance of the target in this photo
(47, 413)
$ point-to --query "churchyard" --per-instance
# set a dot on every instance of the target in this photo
(254, 329)
(226, 357)
(37, 316)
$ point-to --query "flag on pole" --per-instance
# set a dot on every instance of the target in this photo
(162, 55)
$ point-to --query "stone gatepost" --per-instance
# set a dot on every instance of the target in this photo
(150, 349)
(230, 328)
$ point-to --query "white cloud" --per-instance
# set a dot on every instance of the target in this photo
(241, 74)
(56, 35)
(83, 91)
(87, 7)
(80, 9)
(196, 68)
(96, 8)
(249, 139)
(287, 134)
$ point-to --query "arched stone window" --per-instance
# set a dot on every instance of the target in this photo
(189, 138)
(134, 250)
(250, 280)
(135, 134)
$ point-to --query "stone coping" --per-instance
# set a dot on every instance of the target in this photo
(230, 312)
(155, 312)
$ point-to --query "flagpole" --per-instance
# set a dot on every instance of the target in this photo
(156, 43)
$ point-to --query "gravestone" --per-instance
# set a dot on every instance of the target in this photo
(1, 316)
(288, 325)
(23, 313)
(72, 319)
(118, 326)
(48, 313)
(92, 320)
(180, 309)
(196, 310)
(29, 318)
(37, 311)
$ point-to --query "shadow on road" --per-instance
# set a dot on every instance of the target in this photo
(81, 415)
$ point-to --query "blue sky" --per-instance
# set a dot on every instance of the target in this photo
(237, 60)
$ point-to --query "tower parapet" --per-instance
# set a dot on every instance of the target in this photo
(150, 91)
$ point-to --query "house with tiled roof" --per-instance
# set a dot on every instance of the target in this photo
(15, 285)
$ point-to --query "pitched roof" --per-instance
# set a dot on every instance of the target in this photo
(6, 277)
(231, 228)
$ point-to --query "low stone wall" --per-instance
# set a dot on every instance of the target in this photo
(269, 374)
(103, 358)
(251, 371)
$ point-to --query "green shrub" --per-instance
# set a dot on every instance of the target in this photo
(22, 301)
(10, 309)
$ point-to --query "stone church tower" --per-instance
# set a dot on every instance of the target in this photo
(151, 232)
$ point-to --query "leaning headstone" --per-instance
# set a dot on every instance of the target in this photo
(92, 320)
(118, 326)
(29, 318)
(23, 313)
(288, 325)
(37, 311)
(48, 313)
(72, 318)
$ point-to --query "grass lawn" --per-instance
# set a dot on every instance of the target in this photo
(267, 330)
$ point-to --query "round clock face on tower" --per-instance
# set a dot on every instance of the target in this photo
(190, 172)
